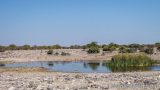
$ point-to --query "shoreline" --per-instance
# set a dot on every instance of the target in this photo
(41, 55)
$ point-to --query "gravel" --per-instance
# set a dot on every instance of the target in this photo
(79, 81)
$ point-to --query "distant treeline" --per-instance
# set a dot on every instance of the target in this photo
(93, 45)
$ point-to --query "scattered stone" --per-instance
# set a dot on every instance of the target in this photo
(78, 81)
(12, 88)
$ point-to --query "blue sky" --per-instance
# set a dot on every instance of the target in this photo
(66, 22)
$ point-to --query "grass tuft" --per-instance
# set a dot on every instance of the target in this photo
(125, 60)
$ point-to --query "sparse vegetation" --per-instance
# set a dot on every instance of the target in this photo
(92, 47)
(75, 47)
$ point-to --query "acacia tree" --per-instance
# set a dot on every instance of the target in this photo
(26, 47)
(12, 47)
(92, 44)
(93, 47)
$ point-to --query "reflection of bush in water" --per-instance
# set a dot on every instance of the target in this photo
(126, 68)
(1, 65)
(93, 66)
(50, 64)
(59, 62)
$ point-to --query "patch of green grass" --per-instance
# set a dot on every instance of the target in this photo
(125, 60)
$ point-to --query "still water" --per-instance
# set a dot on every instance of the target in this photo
(80, 66)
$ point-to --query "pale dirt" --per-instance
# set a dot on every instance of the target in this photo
(41, 55)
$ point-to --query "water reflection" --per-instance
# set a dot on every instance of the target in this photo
(126, 68)
(92, 65)
(80, 66)
(50, 64)
(2, 65)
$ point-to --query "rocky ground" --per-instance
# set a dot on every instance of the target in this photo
(79, 81)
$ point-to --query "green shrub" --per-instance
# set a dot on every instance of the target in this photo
(123, 49)
(12, 47)
(50, 52)
(106, 48)
(2, 49)
(124, 60)
(93, 50)
(26, 47)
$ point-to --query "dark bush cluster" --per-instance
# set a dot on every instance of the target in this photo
(93, 50)
(148, 50)
(50, 52)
